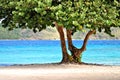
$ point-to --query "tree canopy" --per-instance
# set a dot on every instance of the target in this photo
(72, 14)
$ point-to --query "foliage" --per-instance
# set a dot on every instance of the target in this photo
(72, 14)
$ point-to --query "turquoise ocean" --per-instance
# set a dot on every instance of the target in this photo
(49, 51)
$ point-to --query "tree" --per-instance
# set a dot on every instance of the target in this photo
(73, 15)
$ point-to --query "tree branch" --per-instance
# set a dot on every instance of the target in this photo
(69, 33)
(83, 48)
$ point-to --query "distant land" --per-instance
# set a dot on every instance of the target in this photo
(51, 34)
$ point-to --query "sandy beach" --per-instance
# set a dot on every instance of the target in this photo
(60, 72)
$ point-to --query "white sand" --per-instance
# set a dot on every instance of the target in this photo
(60, 72)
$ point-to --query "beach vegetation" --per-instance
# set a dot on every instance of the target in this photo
(72, 15)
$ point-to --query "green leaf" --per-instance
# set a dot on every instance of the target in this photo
(97, 3)
(44, 12)
(38, 10)
(88, 25)
(59, 6)
(21, 14)
(75, 23)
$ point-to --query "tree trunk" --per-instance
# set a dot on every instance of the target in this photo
(76, 53)
(75, 58)
(65, 55)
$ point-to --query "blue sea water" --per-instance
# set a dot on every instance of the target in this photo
(49, 51)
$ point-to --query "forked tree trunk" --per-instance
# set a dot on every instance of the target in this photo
(65, 55)
(76, 53)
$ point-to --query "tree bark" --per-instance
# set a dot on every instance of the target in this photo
(76, 53)
(65, 55)
(83, 48)
(69, 38)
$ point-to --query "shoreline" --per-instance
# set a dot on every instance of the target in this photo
(60, 72)
(57, 63)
